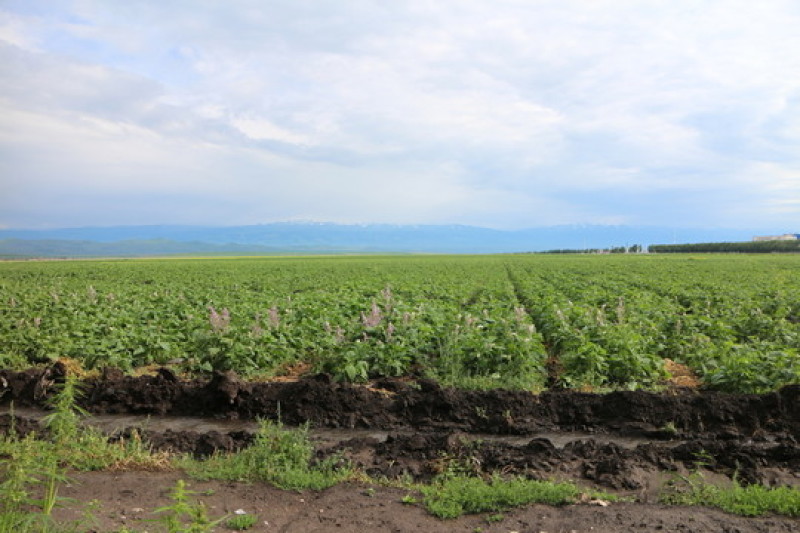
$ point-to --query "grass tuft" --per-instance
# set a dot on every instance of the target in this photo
(454, 496)
(751, 500)
(282, 457)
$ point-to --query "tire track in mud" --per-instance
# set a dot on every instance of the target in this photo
(553, 361)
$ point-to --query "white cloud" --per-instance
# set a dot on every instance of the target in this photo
(514, 113)
(260, 129)
(13, 31)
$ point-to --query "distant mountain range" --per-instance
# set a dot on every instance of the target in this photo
(309, 238)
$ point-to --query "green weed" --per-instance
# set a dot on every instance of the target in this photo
(282, 457)
(242, 522)
(409, 499)
(183, 516)
(39, 466)
(454, 496)
(29, 471)
(751, 500)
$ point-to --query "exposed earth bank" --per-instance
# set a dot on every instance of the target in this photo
(393, 403)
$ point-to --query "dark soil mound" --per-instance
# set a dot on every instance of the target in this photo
(389, 404)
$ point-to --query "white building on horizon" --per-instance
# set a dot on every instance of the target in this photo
(784, 237)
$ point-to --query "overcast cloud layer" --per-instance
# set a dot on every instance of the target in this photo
(507, 114)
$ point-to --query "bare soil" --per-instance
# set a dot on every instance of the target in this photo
(631, 443)
(127, 498)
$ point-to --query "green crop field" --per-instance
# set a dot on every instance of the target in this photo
(511, 321)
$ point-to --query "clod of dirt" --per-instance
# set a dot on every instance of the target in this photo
(19, 426)
(226, 385)
(192, 442)
(111, 374)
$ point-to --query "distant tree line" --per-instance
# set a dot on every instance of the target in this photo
(573, 251)
(635, 249)
(756, 247)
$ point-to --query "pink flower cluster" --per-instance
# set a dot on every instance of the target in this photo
(374, 318)
(220, 321)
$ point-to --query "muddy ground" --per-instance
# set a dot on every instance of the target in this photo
(631, 443)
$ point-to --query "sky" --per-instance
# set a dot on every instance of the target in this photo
(503, 113)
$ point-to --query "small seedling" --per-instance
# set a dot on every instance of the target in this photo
(183, 516)
(241, 522)
(409, 499)
(670, 428)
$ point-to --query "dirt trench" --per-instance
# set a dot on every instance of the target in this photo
(423, 404)
(626, 441)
